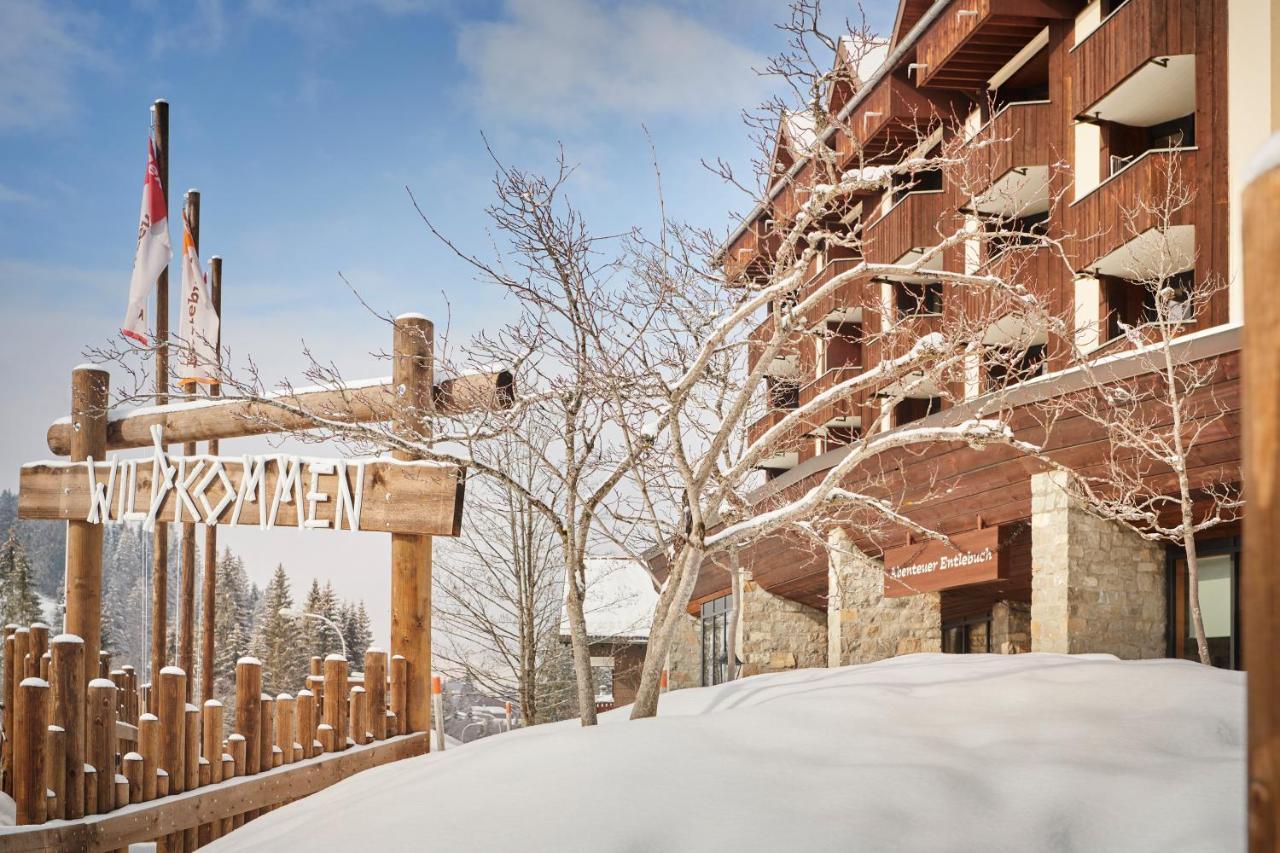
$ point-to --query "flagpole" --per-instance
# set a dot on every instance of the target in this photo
(187, 592)
(208, 607)
(160, 536)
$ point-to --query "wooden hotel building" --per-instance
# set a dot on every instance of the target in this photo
(1096, 100)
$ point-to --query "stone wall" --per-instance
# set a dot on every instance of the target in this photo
(778, 633)
(1096, 586)
(1010, 627)
(863, 625)
(684, 656)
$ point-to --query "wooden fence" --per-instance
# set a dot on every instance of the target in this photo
(96, 761)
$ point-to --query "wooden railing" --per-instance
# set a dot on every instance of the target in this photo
(1018, 136)
(1136, 32)
(89, 769)
(948, 33)
(912, 223)
(886, 124)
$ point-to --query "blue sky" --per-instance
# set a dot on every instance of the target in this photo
(301, 122)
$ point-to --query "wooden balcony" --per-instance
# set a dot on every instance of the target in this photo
(1019, 138)
(1132, 35)
(976, 38)
(888, 124)
(1119, 209)
(848, 406)
(790, 443)
(751, 255)
(851, 294)
(793, 196)
(912, 223)
(1029, 266)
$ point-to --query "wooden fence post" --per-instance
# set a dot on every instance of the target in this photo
(55, 772)
(399, 676)
(149, 746)
(411, 376)
(305, 714)
(89, 402)
(335, 706)
(172, 703)
(133, 766)
(191, 761)
(212, 740)
(10, 694)
(359, 714)
(101, 704)
(375, 684)
(284, 725)
(248, 693)
(66, 668)
(39, 645)
(1260, 589)
(266, 730)
(237, 746)
(31, 727)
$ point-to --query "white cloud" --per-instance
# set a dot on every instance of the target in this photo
(8, 195)
(562, 61)
(41, 49)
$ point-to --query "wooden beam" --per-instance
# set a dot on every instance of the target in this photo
(148, 820)
(89, 398)
(397, 497)
(374, 401)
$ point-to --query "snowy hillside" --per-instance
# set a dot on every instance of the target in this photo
(920, 753)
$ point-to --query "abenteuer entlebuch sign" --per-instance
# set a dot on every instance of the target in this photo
(973, 557)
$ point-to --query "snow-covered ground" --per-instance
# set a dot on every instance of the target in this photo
(919, 753)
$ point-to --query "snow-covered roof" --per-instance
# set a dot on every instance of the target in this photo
(620, 599)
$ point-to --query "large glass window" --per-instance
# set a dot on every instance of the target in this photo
(1219, 585)
(715, 640)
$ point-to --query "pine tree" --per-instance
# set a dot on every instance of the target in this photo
(231, 622)
(275, 641)
(19, 603)
(357, 632)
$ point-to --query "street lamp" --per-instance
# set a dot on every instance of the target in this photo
(292, 613)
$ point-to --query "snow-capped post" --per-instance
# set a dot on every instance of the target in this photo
(89, 393)
(149, 747)
(248, 688)
(1261, 590)
(304, 710)
(31, 725)
(39, 644)
(237, 747)
(132, 766)
(375, 681)
(208, 597)
(266, 730)
(359, 714)
(68, 686)
(100, 712)
(411, 376)
(335, 701)
(284, 726)
(437, 696)
(171, 700)
(55, 779)
(212, 740)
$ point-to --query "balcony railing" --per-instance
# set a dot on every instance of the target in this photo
(1132, 200)
(751, 254)
(1017, 137)
(1138, 31)
(789, 443)
(887, 123)
(974, 39)
(912, 223)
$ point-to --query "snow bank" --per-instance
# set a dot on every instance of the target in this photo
(919, 753)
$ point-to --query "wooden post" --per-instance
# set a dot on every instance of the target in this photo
(359, 714)
(149, 746)
(89, 402)
(1260, 589)
(284, 725)
(10, 694)
(133, 764)
(237, 746)
(411, 375)
(160, 534)
(55, 777)
(39, 644)
(328, 741)
(305, 727)
(90, 789)
(212, 740)
(101, 736)
(399, 673)
(131, 694)
(104, 665)
(31, 727)
(172, 701)
(335, 708)
(187, 576)
(66, 667)
(375, 683)
(208, 598)
(248, 691)
(266, 730)
(191, 764)
(228, 771)
(122, 791)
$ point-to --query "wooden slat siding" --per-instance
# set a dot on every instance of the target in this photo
(913, 223)
(888, 123)
(752, 251)
(966, 601)
(993, 483)
(963, 51)
(140, 822)
(1097, 222)
(1023, 130)
(1138, 31)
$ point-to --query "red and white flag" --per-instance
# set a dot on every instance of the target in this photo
(198, 325)
(153, 252)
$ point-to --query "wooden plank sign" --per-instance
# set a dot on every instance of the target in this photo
(275, 490)
(932, 565)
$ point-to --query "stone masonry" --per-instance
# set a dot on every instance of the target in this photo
(864, 626)
(1010, 627)
(778, 633)
(684, 656)
(1096, 586)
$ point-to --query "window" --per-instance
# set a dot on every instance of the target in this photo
(918, 300)
(1179, 308)
(715, 640)
(783, 393)
(967, 636)
(1006, 366)
(915, 408)
(1026, 230)
(1219, 585)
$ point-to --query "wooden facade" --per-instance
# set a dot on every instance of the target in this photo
(1036, 113)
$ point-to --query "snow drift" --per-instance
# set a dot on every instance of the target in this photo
(920, 753)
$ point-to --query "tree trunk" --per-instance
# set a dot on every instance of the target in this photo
(581, 647)
(680, 583)
(1193, 594)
